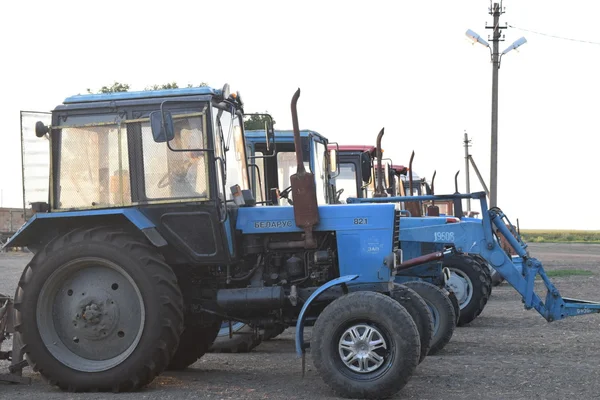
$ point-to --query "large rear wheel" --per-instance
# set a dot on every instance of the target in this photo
(365, 345)
(98, 309)
(193, 344)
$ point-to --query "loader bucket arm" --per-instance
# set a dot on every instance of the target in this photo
(477, 237)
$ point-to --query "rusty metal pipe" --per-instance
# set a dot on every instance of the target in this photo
(433, 187)
(420, 260)
(296, 126)
(304, 192)
(410, 175)
(379, 189)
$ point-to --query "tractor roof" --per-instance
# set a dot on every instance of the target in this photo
(282, 134)
(356, 148)
(400, 169)
(144, 94)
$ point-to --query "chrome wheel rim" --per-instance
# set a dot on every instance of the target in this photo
(362, 348)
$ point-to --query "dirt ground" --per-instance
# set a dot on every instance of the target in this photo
(506, 353)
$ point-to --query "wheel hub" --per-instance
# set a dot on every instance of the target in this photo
(362, 348)
(90, 314)
(462, 287)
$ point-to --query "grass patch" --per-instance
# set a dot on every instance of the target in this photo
(557, 273)
(559, 236)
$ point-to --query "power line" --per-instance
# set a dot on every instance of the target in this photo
(554, 36)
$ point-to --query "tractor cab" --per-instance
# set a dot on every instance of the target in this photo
(169, 162)
(273, 162)
(358, 172)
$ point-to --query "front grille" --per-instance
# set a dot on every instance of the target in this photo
(396, 238)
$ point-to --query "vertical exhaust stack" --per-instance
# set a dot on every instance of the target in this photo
(433, 210)
(414, 207)
(457, 203)
(379, 188)
(306, 210)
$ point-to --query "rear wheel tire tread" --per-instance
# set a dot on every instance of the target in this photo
(105, 240)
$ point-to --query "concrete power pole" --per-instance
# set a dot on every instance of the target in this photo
(467, 144)
(495, 11)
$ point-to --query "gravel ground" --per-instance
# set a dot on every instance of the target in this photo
(506, 353)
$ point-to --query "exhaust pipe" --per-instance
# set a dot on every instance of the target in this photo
(306, 210)
(379, 189)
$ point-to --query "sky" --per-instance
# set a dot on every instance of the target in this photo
(406, 66)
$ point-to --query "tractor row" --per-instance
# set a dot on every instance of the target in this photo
(158, 229)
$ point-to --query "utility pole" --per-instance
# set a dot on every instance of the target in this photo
(467, 144)
(495, 10)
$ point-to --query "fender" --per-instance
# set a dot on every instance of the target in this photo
(316, 293)
(36, 226)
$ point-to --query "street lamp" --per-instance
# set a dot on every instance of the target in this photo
(496, 57)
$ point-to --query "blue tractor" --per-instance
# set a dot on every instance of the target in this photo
(469, 278)
(274, 162)
(271, 162)
(150, 238)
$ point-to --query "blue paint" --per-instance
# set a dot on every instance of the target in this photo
(145, 94)
(316, 293)
(361, 247)
(476, 237)
(281, 136)
(227, 224)
(132, 214)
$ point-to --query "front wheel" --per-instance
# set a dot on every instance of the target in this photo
(418, 310)
(442, 312)
(365, 345)
(98, 309)
(471, 284)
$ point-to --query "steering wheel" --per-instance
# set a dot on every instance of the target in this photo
(284, 193)
(338, 194)
(165, 181)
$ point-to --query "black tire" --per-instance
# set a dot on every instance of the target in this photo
(193, 344)
(272, 333)
(455, 304)
(243, 340)
(490, 273)
(440, 305)
(473, 273)
(362, 311)
(497, 279)
(65, 261)
(418, 310)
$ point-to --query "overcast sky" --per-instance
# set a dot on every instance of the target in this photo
(405, 66)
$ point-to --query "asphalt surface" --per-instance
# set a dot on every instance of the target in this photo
(506, 353)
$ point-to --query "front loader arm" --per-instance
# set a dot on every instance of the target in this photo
(477, 237)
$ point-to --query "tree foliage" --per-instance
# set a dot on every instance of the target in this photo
(124, 87)
(256, 122)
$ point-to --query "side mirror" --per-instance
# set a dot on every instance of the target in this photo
(333, 161)
(40, 129)
(365, 166)
(162, 126)
(257, 121)
(269, 132)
